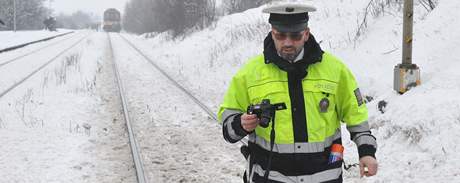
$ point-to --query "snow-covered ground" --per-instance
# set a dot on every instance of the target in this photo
(10, 38)
(64, 124)
(44, 123)
(419, 132)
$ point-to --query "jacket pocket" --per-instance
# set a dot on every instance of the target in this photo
(317, 92)
(320, 105)
(275, 91)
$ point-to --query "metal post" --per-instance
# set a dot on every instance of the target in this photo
(14, 15)
(407, 32)
(407, 75)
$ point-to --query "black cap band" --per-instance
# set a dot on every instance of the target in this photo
(290, 28)
(289, 22)
(287, 19)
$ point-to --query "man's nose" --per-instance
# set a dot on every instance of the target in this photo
(288, 42)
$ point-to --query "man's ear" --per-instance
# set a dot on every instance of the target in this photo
(307, 34)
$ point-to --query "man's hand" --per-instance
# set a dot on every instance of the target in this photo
(370, 163)
(249, 122)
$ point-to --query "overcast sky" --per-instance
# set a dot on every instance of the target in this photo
(93, 6)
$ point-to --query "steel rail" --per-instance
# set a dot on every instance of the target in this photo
(34, 51)
(203, 106)
(33, 42)
(40, 68)
(196, 100)
(139, 166)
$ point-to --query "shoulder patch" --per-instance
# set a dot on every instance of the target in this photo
(359, 97)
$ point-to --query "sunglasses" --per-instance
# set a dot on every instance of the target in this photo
(295, 36)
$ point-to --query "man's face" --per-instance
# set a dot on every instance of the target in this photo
(289, 45)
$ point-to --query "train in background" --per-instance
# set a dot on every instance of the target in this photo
(112, 20)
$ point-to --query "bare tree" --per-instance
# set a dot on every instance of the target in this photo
(235, 6)
(428, 4)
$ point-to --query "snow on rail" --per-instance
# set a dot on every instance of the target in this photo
(33, 42)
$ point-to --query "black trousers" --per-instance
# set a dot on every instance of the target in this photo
(259, 179)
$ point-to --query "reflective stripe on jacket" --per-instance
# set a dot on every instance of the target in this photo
(329, 79)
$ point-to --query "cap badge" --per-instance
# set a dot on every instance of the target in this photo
(289, 9)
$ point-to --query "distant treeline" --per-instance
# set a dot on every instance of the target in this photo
(29, 14)
(77, 20)
(142, 16)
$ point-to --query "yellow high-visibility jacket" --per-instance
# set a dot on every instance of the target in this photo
(300, 155)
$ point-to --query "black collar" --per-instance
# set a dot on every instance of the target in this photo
(312, 54)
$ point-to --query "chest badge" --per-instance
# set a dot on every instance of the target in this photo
(323, 105)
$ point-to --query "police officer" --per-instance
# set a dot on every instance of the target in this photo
(319, 93)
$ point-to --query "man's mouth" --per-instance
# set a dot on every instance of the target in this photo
(288, 50)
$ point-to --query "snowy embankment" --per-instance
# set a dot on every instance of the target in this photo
(10, 38)
(419, 131)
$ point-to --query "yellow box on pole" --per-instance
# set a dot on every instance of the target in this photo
(406, 77)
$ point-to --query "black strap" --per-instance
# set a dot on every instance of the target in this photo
(270, 156)
(245, 177)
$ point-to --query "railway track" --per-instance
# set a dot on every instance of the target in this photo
(41, 67)
(205, 108)
(188, 93)
(135, 152)
(143, 160)
(36, 50)
(203, 134)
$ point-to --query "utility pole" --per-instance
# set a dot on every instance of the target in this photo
(407, 74)
(50, 6)
(14, 15)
